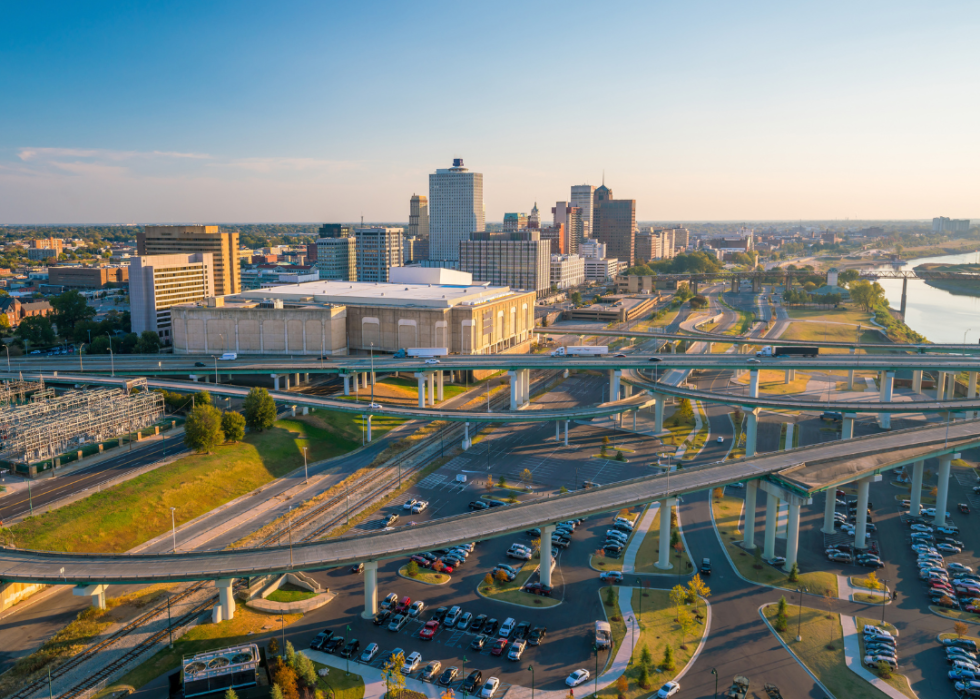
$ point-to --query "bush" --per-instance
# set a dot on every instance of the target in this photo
(643, 679)
(412, 569)
(610, 597)
(781, 621)
(622, 686)
(233, 425)
(620, 456)
(668, 663)
(794, 573)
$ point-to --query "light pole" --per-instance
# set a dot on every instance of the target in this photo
(884, 601)
(715, 673)
(8, 356)
(81, 365)
(464, 670)
(372, 372)
(305, 467)
(595, 690)
(531, 668)
(173, 526)
(112, 358)
(641, 598)
(632, 621)
(289, 532)
(30, 498)
(170, 624)
(799, 615)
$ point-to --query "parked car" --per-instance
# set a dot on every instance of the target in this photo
(416, 608)
(489, 688)
(409, 504)
(320, 639)
(389, 601)
(669, 690)
(398, 622)
(429, 672)
(382, 616)
(368, 655)
(537, 635)
(472, 681)
(516, 650)
(479, 642)
(539, 588)
(429, 630)
(412, 663)
(497, 647)
(448, 675)
(577, 677)
(350, 649)
(464, 621)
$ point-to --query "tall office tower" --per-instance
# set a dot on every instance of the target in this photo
(159, 282)
(534, 220)
(335, 230)
(455, 209)
(378, 250)
(682, 238)
(515, 222)
(556, 237)
(647, 247)
(520, 260)
(186, 240)
(418, 217)
(614, 223)
(336, 258)
(582, 196)
(571, 218)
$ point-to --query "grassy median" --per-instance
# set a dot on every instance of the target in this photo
(118, 518)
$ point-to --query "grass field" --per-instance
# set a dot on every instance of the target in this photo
(425, 576)
(246, 624)
(337, 685)
(822, 651)
(401, 391)
(656, 630)
(828, 332)
(118, 518)
(291, 595)
(894, 679)
(511, 591)
(727, 512)
(773, 382)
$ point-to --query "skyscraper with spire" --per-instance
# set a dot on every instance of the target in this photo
(534, 220)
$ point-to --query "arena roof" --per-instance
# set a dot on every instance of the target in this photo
(381, 294)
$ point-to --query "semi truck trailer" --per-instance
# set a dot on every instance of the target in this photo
(421, 352)
(583, 351)
(769, 351)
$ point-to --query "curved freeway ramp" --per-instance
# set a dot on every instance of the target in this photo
(804, 471)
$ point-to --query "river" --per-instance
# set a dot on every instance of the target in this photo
(940, 316)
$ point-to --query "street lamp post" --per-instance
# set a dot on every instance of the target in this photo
(372, 372)
(641, 598)
(715, 673)
(112, 357)
(884, 600)
(531, 668)
(305, 466)
(81, 364)
(289, 533)
(632, 621)
(595, 690)
(799, 615)
(173, 526)
(170, 623)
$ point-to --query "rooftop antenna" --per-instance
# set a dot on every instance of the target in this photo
(362, 220)
(603, 177)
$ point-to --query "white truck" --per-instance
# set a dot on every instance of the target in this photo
(422, 352)
(582, 351)
(603, 635)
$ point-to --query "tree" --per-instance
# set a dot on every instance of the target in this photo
(148, 343)
(884, 669)
(576, 298)
(290, 655)
(544, 321)
(392, 672)
(36, 330)
(285, 677)
(960, 629)
(686, 621)
(684, 410)
(563, 489)
(698, 589)
(603, 450)
(277, 692)
(273, 646)
(260, 410)
(202, 398)
(488, 579)
(202, 431)
(794, 572)
(699, 302)
(610, 596)
(306, 670)
(605, 439)
(4, 325)
(233, 425)
(645, 658)
(668, 662)
(622, 686)
(526, 476)
(871, 580)
(868, 295)
(412, 569)
(620, 456)
(230, 694)
(678, 595)
(501, 576)
(781, 620)
(70, 308)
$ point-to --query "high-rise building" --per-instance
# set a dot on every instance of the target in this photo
(647, 246)
(455, 209)
(556, 237)
(583, 196)
(614, 223)
(336, 258)
(159, 282)
(186, 240)
(942, 224)
(515, 222)
(418, 217)
(571, 217)
(534, 220)
(335, 230)
(520, 260)
(378, 250)
(45, 248)
(415, 250)
(567, 271)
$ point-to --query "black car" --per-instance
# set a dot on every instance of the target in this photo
(613, 550)
(479, 642)
(452, 561)
(497, 503)
(521, 630)
(448, 676)
(350, 649)
(478, 621)
(474, 680)
(439, 614)
(967, 643)
(320, 639)
(655, 359)
(490, 627)
(428, 556)
(705, 566)
(537, 635)
(333, 645)
(534, 533)
(200, 364)
(382, 617)
(477, 505)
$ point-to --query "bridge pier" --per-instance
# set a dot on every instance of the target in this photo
(751, 431)
(368, 419)
(971, 393)
(754, 383)
(96, 592)
(658, 413)
(420, 375)
(346, 385)
(466, 436)
(663, 562)
(614, 377)
(527, 386)
(860, 527)
(557, 431)
(942, 488)
(193, 377)
(887, 381)
(370, 589)
(950, 385)
(772, 512)
(829, 509)
(847, 426)
(790, 376)
(756, 285)
(792, 534)
(917, 380)
(432, 389)
(850, 375)
(915, 501)
(734, 285)
(515, 390)
(225, 609)
(748, 533)
(544, 571)
(940, 385)
(566, 433)
(440, 380)
(275, 381)
(905, 291)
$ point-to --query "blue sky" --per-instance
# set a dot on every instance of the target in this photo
(291, 111)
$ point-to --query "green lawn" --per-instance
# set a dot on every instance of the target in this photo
(773, 382)
(244, 628)
(287, 596)
(118, 518)
(511, 591)
(425, 576)
(656, 630)
(827, 332)
(822, 651)
(338, 685)
(727, 512)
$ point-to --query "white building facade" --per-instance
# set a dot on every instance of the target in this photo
(455, 209)
(600, 270)
(159, 282)
(567, 271)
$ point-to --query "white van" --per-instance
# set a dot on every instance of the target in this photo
(228, 356)
(508, 627)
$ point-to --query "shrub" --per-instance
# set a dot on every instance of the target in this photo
(794, 573)
(610, 597)
(412, 569)
(667, 664)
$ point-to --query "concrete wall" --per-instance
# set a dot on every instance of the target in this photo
(200, 330)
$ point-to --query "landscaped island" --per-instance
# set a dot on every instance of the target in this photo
(962, 280)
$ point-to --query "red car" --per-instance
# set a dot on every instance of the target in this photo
(537, 588)
(429, 630)
(423, 562)
(403, 606)
(498, 646)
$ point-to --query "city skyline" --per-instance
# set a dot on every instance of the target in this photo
(757, 113)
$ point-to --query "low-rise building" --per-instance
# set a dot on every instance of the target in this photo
(567, 271)
(78, 277)
(601, 269)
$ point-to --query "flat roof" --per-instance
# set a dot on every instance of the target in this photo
(383, 294)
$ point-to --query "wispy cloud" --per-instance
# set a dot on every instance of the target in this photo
(40, 154)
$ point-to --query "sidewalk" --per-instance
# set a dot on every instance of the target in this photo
(629, 558)
(852, 651)
(845, 590)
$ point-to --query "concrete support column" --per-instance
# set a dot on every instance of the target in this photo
(888, 379)
(368, 427)
(544, 572)
(634, 419)
(950, 385)
(432, 388)
(917, 380)
(614, 376)
(346, 385)
(847, 426)
(754, 383)
(850, 375)
(971, 392)
(421, 379)
(557, 431)
(751, 431)
(940, 384)
(285, 382)
(370, 589)
(566, 433)
(297, 382)
(515, 391)
(525, 386)
(942, 488)
(441, 379)
(658, 408)
(829, 508)
(748, 535)
(860, 528)
(663, 563)
(466, 436)
(792, 535)
(915, 502)
(275, 381)
(96, 592)
(772, 512)
(226, 599)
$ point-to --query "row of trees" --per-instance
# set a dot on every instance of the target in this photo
(293, 674)
(799, 297)
(207, 427)
(687, 262)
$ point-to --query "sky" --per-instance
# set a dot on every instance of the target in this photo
(156, 112)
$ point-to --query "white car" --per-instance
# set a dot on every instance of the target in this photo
(375, 406)
(720, 440)
(409, 504)
(921, 528)
(369, 653)
(873, 660)
(870, 630)
(489, 688)
(669, 690)
(416, 608)
(419, 507)
(577, 677)
(436, 361)
(412, 663)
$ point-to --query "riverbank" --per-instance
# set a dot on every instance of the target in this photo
(968, 283)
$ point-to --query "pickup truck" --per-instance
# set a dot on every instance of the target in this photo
(739, 688)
